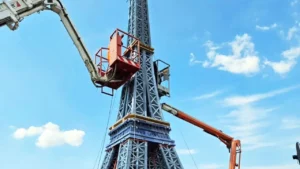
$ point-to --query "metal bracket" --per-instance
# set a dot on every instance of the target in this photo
(13, 25)
(104, 92)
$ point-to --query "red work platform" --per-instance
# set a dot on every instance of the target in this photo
(118, 66)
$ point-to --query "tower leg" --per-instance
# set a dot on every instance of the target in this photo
(170, 157)
(152, 92)
(109, 159)
(132, 155)
(135, 154)
(156, 160)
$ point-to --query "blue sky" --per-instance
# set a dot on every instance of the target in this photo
(234, 65)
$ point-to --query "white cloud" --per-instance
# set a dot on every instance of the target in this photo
(246, 65)
(247, 123)
(266, 28)
(208, 95)
(290, 60)
(50, 135)
(294, 2)
(292, 32)
(287, 166)
(12, 127)
(292, 53)
(21, 133)
(282, 67)
(186, 151)
(193, 59)
(290, 56)
(290, 123)
(242, 60)
(210, 166)
(245, 100)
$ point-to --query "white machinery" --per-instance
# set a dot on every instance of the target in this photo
(13, 12)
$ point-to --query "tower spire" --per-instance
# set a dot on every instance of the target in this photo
(140, 137)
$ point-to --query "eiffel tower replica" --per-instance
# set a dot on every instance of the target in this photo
(140, 137)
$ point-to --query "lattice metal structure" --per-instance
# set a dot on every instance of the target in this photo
(140, 137)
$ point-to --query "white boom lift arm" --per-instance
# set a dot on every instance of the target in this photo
(14, 11)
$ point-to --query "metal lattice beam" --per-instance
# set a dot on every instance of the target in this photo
(170, 157)
(108, 159)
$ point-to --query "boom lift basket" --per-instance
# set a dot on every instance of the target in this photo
(162, 76)
(118, 62)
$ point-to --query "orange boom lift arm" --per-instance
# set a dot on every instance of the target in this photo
(233, 145)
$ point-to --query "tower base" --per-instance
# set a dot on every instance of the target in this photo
(139, 142)
(138, 154)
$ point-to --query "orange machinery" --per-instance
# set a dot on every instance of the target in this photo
(121, 62)
(233, 145)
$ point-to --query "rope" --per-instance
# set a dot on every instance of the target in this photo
(134, 127)
(112, 102)
(188, 149)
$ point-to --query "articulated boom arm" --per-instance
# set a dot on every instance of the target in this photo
(13, 12)
(297, 156)
(234, 146)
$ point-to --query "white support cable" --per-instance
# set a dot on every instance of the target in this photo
(188, 149)
(112, 103)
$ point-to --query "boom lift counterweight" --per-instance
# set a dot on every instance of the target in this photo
(234, 146)
(121, 66)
